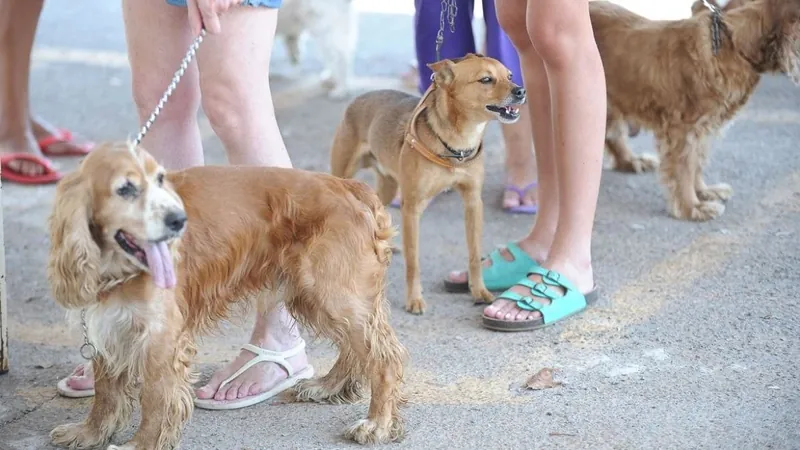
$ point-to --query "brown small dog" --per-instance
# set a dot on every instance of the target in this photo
(427, 145)
(665, 76)
(153, 259)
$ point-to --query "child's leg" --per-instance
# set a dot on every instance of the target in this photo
(520, 195)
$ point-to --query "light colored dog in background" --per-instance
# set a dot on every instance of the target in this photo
(663, 75)
(333, 25)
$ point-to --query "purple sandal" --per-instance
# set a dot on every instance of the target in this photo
(522, 209)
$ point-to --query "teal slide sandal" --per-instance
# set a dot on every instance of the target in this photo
(560, 307)
(502, 274)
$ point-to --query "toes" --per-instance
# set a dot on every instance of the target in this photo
(232, 391)
(256, 388)
(244, 389)
(80, 383)
(494, 308)
(507, 312)
(457, 277)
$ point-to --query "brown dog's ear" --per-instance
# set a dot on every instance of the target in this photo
(74, 260)
(442, 71)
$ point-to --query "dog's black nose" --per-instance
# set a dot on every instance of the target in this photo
(518, 92)
(175, 220)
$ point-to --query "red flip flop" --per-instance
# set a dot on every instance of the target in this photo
(50, 175)
(63, 135)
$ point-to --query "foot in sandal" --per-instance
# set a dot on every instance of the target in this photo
(548, 294)
(80, 383)
(502, 268)
(257, 374)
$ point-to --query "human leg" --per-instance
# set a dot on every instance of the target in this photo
(561, 35)
(175, 141)
(157, 37)
(231, 65)
(513, 262)
(18, 21)
(520, 164)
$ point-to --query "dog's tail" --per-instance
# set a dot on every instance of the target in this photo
(346, 154)
(379, 218)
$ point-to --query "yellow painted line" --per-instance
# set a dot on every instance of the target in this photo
(641, 299)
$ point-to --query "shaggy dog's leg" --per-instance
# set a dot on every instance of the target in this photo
(166, 394)
(717, 192)
(680, 166)
(111, 412)
(342, 384)
(375, 345)
(623, 157)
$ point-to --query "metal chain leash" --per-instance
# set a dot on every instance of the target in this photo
(88, 350)
(172, 85)
(449, 8)
(716, 17)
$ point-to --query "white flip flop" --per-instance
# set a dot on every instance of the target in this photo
(261, 355)
(63, 388)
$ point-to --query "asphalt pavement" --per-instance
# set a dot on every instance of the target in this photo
(692, 345)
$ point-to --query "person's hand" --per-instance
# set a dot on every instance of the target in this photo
(205, 14)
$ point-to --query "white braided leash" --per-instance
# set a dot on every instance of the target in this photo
(172, 85)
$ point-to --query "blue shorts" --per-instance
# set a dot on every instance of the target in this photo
(265, 3)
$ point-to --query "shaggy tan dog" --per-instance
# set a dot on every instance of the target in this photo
(665, 77)
(153, 259)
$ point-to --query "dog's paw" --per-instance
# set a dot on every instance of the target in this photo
(367, 431)
(415, 306)
(638, 164)
(76, 436)
(704, 211)
(481, 296)
(718, 192)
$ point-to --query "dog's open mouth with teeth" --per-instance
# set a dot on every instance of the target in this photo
(156, 257)
(507, 114)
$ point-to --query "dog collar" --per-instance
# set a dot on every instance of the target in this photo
(444, 161)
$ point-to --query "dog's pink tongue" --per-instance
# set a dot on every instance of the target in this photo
(159, 260)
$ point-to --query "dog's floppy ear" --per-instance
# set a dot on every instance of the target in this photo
(74, 260)
(442, 71)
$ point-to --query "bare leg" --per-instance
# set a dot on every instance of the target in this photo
(520, 162)
(18, 21)
(244, 119)
(561, 62)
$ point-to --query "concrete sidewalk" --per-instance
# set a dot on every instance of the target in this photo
(693, 343)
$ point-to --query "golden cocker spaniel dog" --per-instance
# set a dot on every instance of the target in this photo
(155, 259)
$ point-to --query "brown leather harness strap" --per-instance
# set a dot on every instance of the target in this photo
(414, 142)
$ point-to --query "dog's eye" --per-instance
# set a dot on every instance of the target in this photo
(128, 190)
(486, 80)
(510, 76)
(160, 179)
